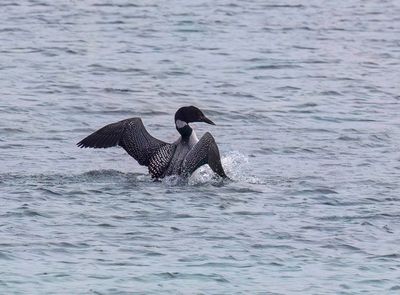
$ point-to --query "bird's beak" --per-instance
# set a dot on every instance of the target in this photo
(206, 120)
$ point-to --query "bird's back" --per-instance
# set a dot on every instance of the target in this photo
(161, 160)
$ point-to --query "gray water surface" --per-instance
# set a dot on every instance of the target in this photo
(305, 95)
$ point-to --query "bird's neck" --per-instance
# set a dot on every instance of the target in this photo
(184, 129)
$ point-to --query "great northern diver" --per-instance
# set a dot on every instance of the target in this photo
(182, 157)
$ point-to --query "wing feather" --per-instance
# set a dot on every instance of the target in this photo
(130, 134)
(204, 152)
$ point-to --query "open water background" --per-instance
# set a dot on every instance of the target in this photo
(305, 95)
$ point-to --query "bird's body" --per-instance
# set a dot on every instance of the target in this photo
(182, 157)
(182, 148)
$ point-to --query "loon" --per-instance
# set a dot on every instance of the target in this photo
(182, 157)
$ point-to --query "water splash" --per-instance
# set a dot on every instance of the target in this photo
(236, 166)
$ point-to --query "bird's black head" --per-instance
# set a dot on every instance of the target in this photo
(189, 114)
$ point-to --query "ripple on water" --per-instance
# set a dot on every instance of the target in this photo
(305, 98)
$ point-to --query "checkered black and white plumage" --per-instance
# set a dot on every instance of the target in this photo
(182, 157)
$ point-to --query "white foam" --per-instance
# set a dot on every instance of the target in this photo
(236, 166)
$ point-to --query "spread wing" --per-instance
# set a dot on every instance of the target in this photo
(204, 152)
(130, 134)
